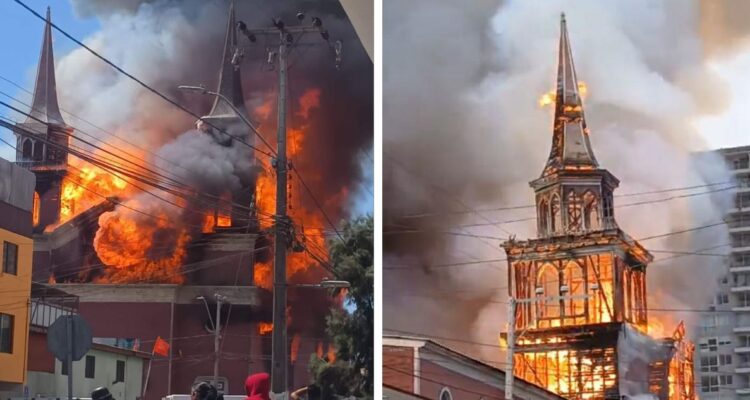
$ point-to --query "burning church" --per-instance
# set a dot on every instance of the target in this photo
(144, 239)
(579, 323)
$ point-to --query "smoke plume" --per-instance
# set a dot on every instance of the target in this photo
(463, 131)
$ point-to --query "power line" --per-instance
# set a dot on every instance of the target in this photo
(149, 88)
(526, 206)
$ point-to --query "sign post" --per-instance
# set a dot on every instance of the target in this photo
(69, 339)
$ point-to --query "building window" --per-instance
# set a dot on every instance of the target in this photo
(743, 200)
(725, 340)
(722, 298)
(10, 258)
(709, 384)
(90, 366)
(725, 359)
(591, 211)
(725, 380)
(120, 371)
(709, 364)
(6, 333)
(543, 216)
(555, 215)
(445, 394)
(64, 369)
(741, 162)
(575, 212)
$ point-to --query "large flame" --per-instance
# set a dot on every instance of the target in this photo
(308, 223)
(86, 188)
(141, 248)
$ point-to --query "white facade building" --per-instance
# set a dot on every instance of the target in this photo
(722, 357)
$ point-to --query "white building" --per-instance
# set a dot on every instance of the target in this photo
(722, 358)
(120, 370)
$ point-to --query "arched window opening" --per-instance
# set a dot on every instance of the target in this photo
(27, 149)
(574, 288)
(608, 211)
(591, 218)
(548, 292)
(543, 216)
(445, 394)
(555, 216)
(38, 151)
(574, 212)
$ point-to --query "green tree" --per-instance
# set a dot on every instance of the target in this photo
(351, 329)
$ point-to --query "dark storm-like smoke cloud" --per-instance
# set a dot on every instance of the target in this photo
(168, 43)
(462, 128)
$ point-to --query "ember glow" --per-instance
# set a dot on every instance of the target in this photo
(264, 328)
(549, 97)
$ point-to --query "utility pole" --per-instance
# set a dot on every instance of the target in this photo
(511, 340)
(282, 226)
(217, 337)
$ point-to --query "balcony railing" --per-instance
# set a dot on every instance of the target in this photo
(44, 313)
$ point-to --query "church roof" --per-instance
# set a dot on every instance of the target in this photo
(44, 105)
(571, 148)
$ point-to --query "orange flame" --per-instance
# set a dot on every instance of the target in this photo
(294, 348)
(86, 189)
(549, 97)
(264, 328)
(307, 222)
(139, 250)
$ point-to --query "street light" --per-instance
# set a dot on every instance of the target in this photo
(203, 90)
(217, 331)
(324, 284)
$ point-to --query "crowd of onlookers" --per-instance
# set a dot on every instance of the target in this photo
(257, 387)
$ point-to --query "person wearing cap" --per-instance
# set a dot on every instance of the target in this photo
(101, 393)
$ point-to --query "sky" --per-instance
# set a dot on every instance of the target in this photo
(22, 38)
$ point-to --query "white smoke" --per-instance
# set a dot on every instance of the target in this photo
(478, 133)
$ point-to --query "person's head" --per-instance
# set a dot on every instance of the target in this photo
(101, 393)
(313, 392)
(258, 385)
(203, 391)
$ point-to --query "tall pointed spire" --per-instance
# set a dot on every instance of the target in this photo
(571, 148)
(44, 105)
(230, 82)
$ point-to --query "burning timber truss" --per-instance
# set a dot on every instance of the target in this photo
(578, 291)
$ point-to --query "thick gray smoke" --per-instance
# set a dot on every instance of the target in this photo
(463, 129)
(167, 43)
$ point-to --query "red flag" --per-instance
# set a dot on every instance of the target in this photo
(136, 345)
(161, 347)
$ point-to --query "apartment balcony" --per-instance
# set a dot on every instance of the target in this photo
(740, 268)
(742, 369)
(739, 289)
(740, 350)
(742, 327)
(741, 248)
(744, 390)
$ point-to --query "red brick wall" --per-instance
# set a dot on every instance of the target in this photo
(397, 359)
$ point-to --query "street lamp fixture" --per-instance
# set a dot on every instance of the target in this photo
(202, 90)
(324, 284)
